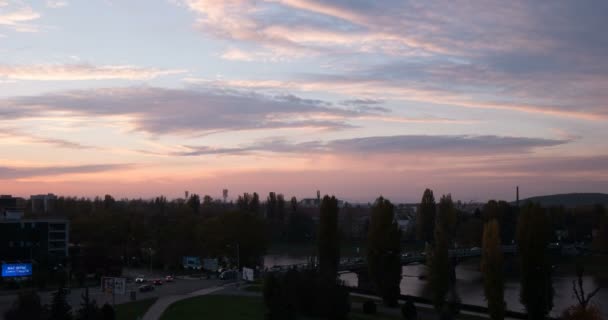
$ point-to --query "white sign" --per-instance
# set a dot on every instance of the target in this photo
(248, 274)
(113, 285)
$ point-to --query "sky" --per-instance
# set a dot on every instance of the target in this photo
(355, 98)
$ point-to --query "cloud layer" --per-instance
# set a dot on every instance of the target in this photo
(455, 145)
(163, 111)
(73, 72)
(9, 173)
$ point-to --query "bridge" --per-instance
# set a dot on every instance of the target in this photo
(358, 264)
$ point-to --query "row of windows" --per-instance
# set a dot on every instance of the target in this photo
(21, 244)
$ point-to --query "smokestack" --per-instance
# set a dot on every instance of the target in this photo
(517, 195)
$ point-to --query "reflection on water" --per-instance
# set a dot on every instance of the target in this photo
(469, 284)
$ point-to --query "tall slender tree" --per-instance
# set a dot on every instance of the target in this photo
(441, 272)
(328, 241)
(492, 268)
(425, 219)
(383, 251)
(532, 238)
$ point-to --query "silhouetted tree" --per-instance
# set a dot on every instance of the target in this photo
(425, 220)
(294, 205)
(194, 202)
(492, 268)
(108, 312)
(600, 242)
(27, 306)
(439, 265)
(60, 309)
(384, 250)
(88, 308)
(532, 239)
(328, 241)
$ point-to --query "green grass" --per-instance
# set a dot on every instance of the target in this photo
(254, 288)
(132, 310)
(216, 307)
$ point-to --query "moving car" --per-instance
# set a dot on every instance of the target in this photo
(140, 279)
(169, 279)
(146, 288)
(157, 282)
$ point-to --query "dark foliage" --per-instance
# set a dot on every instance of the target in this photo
(108, 312)
(533, 232)
(383, 252)
(304, 293)
(27, 306)
(408, 310)
(425, 220)
(369, 307)
(329, 239)
(60, 309)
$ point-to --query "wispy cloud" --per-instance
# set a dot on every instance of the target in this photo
(163, 111)
(9, 173)
(74, 72)
(445, 145)
(55, 4)
(29, 138)
(18, 18)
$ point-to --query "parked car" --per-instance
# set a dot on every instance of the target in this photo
(157, 282)
(140, 279)
(229, 275)
(169, 279)
(146, 288)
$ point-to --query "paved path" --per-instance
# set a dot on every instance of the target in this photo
(157, 309)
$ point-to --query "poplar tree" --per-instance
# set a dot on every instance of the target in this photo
(384, 248)
(492, 269)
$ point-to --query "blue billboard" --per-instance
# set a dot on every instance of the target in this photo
(16, 270)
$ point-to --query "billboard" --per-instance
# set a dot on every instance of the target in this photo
(210, 264)
(248, 274)
(111, 285)
(190, 262)
(10, 270)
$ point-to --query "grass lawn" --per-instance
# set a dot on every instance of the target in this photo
(254, 288)
(132, 310)
(216, 307)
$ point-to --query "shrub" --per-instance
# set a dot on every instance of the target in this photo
(591, 312)
(369, 307)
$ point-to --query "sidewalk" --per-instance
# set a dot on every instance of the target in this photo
(157, 309)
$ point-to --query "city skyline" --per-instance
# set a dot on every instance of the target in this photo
(352, 98)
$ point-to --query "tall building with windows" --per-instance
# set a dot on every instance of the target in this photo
(22, 239)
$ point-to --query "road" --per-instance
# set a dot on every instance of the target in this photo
(181, 286)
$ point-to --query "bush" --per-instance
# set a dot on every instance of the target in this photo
(27, 306)
(591, 312)
(305, 293)
(108, 312)
(369, 307)
(408, 310)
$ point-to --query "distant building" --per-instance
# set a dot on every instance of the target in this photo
(43, 203)
(11, 208)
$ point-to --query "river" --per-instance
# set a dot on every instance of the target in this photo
(469, 284)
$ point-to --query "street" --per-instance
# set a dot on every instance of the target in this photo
(180, 286)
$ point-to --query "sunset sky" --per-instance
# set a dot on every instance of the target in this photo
(138, 98)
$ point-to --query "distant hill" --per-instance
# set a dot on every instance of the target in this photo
(570, 200)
